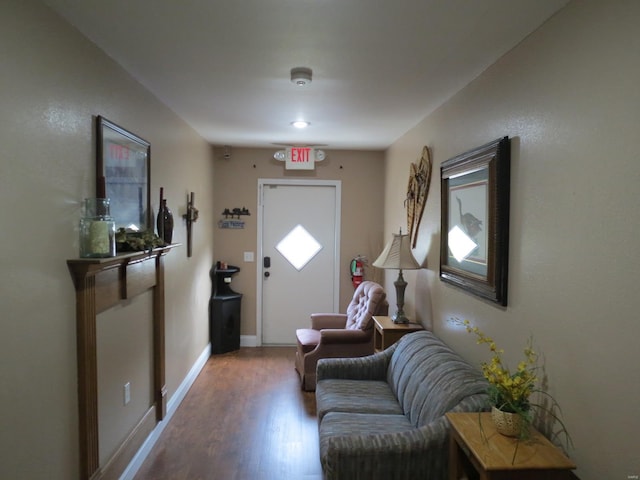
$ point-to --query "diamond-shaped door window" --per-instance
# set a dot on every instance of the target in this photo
(298, 247)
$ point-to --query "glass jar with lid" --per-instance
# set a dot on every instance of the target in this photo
(97, 229)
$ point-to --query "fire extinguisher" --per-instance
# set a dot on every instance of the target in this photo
(357, 271)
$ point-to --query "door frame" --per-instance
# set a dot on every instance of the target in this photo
(337, 184)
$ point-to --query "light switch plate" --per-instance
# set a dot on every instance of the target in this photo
(127, 393)
(248, 256)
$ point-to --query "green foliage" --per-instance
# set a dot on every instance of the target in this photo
(137, 241)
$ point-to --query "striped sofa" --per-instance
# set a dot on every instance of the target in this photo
(381, 417)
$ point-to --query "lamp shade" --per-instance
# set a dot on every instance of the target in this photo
(397, 254)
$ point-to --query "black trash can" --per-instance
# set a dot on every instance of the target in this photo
(224, 311)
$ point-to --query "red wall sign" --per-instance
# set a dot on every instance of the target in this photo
(300, 158)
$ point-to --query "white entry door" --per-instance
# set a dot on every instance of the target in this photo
(299, 251)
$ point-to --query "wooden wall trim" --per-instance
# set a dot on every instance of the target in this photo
(101, 283)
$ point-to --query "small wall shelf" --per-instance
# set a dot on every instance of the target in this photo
(232, 222)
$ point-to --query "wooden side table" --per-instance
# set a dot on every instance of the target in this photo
(491, 454)
(387, 333)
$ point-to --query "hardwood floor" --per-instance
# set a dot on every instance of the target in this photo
(244, 418)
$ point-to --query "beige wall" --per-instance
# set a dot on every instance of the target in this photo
(53, 83)
(568, 97)
(236, 185)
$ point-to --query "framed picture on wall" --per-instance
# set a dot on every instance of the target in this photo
(122, 175)
(474, 241)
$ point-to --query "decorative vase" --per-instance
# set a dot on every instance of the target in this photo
(165, 223)
(97, 229)
(507, 423)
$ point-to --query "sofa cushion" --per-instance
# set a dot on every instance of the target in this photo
(355, 396)
(429, 379)
(367, 300)
(336, 424)
(383, 448)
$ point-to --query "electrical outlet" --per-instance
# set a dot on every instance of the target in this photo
(127, 392)
(248, 256)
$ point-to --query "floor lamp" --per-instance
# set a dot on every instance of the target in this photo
(397, 256)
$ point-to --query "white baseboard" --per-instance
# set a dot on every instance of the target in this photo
(172, 406)
(248, 341)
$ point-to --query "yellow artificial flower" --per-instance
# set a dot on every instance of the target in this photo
(509, 391)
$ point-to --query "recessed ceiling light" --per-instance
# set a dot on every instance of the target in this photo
(300, 124)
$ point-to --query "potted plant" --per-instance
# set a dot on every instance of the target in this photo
(516, 399)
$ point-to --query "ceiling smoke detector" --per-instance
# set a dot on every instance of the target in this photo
(301, 76)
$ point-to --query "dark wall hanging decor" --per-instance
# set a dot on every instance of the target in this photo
(474, 245)
(233, 222)
(122, 175)
(191, 216)
(417, 193)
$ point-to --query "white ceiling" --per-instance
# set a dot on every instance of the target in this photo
(379, 66)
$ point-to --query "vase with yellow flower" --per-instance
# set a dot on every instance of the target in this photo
(511, 393)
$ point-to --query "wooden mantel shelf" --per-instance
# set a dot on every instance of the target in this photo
(102, 283)
(81, 267)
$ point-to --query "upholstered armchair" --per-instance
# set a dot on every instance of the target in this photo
(340, 334)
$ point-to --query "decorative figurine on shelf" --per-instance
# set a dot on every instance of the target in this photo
(236, 212)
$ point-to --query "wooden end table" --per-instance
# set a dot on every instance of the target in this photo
(387, 333)
(491, 454)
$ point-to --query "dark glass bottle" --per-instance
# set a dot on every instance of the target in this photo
(165, 223)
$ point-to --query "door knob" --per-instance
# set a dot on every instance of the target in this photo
(267, 274)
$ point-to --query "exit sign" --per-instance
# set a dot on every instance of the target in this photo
(300, 158)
